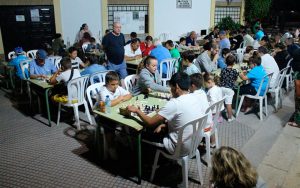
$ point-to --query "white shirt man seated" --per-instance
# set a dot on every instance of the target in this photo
(132, 50)
(181, 109)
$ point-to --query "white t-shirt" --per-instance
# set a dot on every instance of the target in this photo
(64, 76)
(130, 53)
(119, 92)
(76, 62)
(215, 94)
(179, 111)
(270, 65)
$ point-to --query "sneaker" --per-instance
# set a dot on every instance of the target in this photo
(231, 119)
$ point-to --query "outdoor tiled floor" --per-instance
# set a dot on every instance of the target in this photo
(35, 155)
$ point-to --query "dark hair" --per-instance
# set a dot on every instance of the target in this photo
(93, 39)
(148, 59)
(249, 49)
(149, 38)
(86, 35)
(170, 43)
(280, 46)
(230, 60)
(57, 35)
(107, 31)
(82, 26)
(188, 55)
(207, 46)
(72, 49)
(65, 63)
(225, 51)
(197, 80)
(255, 60)
(135, 40)
(210, 77)
(133, 34)
(181, 79)
(182, 39)
(216, 27)
(111, 76)
(265, 38)
(262, 49)
(93, 59)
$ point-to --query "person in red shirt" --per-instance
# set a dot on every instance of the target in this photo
(147, 46)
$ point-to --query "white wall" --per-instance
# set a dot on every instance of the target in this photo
(76, 12)
(169, 19)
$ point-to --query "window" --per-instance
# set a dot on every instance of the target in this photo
(222, 12)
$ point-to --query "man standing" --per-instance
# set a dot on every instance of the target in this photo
(113, 44)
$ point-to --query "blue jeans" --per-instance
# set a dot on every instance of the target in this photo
(120, 69)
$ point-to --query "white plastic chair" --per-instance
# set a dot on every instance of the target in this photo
(260, 98)
(183, 159)
(277, 88)
(11, 55)
(216, 107)
(289, 76)
(98, 77)
(31, 54)
(91, 93)
(76, 92)
(170, 64)
(130, 81)
(240, 54)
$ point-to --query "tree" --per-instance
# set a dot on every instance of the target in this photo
(256, 9)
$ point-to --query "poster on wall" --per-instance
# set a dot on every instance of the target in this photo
(20, 18)
(35, 15)
(183, 3)
(130, 21)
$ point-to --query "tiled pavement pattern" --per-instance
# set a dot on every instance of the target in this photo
(35, 155)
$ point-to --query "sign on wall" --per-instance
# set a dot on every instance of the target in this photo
(131, 21)
(183, 3)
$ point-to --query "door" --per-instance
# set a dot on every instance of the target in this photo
(27, 26)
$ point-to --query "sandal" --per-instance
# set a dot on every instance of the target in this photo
(293, 124)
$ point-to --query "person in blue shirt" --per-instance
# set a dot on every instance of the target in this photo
(191, 39)
(255, 75)
(93, 66)
(41, 67)
(221, 60)
(224, 41)
(160, 53)
(259, 34)
(15, 62)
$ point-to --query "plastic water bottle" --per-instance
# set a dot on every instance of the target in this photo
(107, 104)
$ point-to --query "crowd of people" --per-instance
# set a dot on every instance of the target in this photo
(194, 87)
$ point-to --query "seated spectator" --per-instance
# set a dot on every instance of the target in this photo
(187, 63)
(173, 51)
(93, 62)
(132, 51)
(224, 41)
(221, 60)
(269, 64)
(230, 169)
(229, 75)
(58, 45)
(291, 46)
(259, 33)
(85, 41)
(236, 40)
(281, 56)
(182, 44)
(41, 67)
(287, 34)
(255, 76)
(15, 62)
(213, 35)
(247, 39)
(181, 109)
(147, 46)
(265, 42)
(149, 78)
(207, 60)
(160, 53)
(76, 61)
(93, 45)
(133, 35)
(191, 39)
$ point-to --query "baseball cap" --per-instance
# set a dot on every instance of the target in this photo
(18, 50)
(222, 32)
(41, 54)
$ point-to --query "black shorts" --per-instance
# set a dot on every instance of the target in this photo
(247, 90)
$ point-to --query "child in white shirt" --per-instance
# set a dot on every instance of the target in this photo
(216, 93)
(75, 60)
(187, 63)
